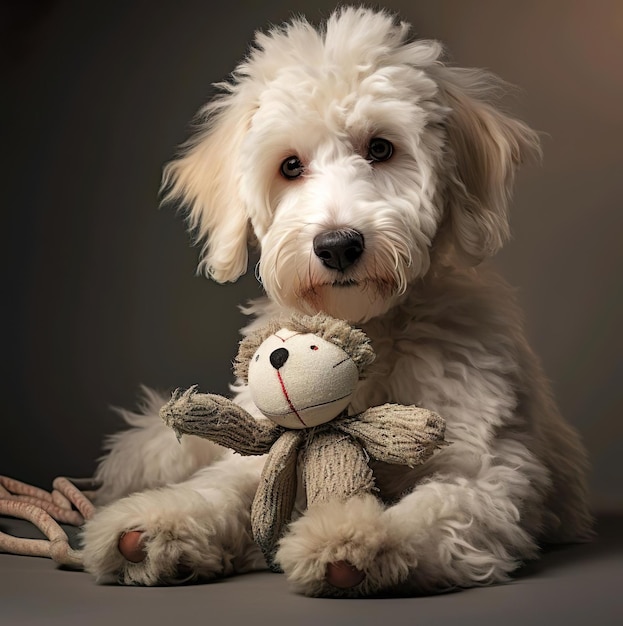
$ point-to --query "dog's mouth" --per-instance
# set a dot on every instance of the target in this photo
(341, 284)
(350, 299)
(373, 285)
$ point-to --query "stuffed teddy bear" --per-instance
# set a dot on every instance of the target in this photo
(302, 372)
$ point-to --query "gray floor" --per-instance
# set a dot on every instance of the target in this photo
(579, 584)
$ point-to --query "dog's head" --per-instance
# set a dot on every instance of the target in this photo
(353, 156)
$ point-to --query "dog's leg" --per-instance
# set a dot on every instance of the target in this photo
(451, 531)
(196, 529)
(148, 455)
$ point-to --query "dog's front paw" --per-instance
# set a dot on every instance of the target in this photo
(343, 549)
(164, 536)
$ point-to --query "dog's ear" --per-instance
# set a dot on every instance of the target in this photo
(205, 180)
(485, 147)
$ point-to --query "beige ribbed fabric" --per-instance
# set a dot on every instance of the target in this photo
(219, 419)
(274, 499)
(333, 456)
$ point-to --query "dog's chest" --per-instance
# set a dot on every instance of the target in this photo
(398, 375)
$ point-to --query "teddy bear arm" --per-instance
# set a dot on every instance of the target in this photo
(219, 419)
(276, 494)
(395, 433)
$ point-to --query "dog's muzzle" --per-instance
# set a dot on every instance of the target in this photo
(339, 249)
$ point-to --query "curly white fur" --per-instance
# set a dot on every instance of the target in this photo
(448, 334)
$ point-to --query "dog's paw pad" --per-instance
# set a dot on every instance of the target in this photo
(132, 547)
(344, 575)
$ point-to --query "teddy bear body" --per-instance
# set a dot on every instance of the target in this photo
(302, 382)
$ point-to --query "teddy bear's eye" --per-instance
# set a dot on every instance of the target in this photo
(257, 357)
(313, 347)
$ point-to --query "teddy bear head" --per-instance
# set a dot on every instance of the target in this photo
(303, 370)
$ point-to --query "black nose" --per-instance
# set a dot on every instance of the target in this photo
(338, 249)
(278, 357)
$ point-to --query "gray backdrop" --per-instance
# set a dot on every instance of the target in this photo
(99, 291)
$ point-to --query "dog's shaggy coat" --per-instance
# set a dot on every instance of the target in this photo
(356, 128)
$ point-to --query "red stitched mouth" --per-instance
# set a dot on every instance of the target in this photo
(287, 397)
(270, 415)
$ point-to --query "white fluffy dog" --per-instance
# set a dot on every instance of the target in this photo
(373, 178)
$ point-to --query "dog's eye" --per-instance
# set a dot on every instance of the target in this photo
(313, 347)
(380, 149)
(292, 167)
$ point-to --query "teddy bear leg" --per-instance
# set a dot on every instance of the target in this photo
(338, 548)
(336, 470)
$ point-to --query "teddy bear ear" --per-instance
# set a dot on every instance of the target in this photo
(352, 340)
(339, 332)
(246, 350)
(363, 353)
(248, 347)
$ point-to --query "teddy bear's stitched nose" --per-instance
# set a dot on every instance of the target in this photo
(278, 357)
